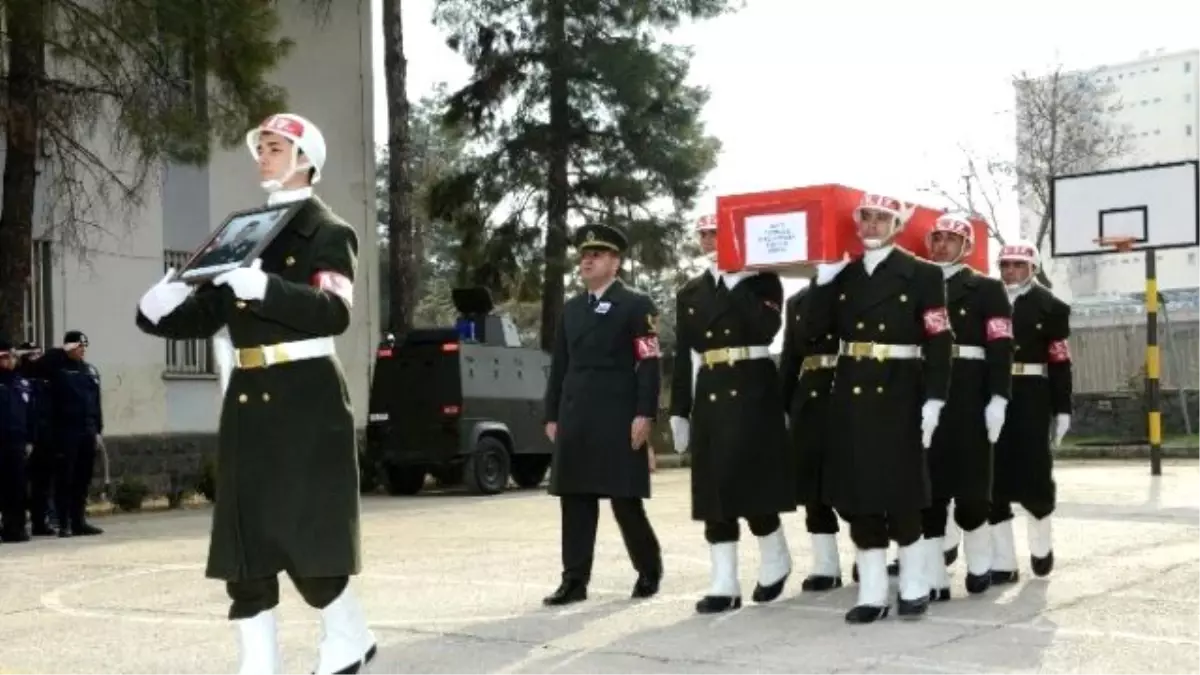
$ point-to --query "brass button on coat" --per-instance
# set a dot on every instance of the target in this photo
(241, 304)
(242, 398)
(266, 397)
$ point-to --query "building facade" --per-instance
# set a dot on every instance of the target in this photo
(1156, 105)
(155, 392)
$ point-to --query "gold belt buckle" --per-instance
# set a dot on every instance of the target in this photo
(257, 357)
(1018, 369)
(860, 349)
(716, 357)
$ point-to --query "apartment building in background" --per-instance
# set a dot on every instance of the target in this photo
(1156, 104)
(153, 388)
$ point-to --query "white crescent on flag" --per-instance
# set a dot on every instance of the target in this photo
(335, 283)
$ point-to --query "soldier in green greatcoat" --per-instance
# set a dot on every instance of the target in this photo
(287, 466)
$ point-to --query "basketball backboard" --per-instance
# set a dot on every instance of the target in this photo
(1157, 206)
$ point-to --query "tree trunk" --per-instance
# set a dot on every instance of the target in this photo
(25, 22)
(558, 183)
(402, 280)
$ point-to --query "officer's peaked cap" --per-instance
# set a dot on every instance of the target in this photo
(75, 337)
(601, 237)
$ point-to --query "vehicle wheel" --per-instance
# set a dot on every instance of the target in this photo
(405, 480)
(528, 471)
(487, 469)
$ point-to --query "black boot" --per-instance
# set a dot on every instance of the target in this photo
(568, 591)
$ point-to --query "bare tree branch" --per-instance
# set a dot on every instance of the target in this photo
(1064, 127)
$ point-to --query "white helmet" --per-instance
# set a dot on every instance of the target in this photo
(1021, 250)
(305, 137)
(1024, 251)
(706, 223)
(899, 211)
(954, 224)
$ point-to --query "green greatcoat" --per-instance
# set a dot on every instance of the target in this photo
(287, 466)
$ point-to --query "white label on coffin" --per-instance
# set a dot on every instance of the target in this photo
(776, 239)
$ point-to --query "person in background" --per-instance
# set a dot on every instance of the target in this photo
(78, 424)
(41, 466)
(17, 434)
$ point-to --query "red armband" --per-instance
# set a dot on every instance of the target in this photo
(646, 347)
(999, 328)
(335, 283)
(1060, 352)
(936, 321)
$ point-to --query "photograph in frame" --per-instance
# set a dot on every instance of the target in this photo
(237, 242)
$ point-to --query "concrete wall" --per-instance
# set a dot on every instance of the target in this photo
(159, 423)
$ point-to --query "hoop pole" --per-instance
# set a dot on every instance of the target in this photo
(1154, 414)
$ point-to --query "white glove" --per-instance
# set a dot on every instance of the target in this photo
(1062, 423)
(163, 298)
(681, 431)
(993, 416)
(827, 272)
(248, 283)
(930, 412)
(787, 421)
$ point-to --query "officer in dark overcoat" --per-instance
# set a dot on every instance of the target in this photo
(78, 425)
(18, 432)
(733, 422)
(960, 460)
(1041, 396)
(888, 309)
(806, 373)
(601, 400)
(41, 464)
(287, 465)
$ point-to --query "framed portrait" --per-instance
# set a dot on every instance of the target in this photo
(238, 241)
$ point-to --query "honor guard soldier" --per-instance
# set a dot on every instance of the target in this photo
(601, 400)
(960, 460)
(806, 372)
(18, 429)
(893, 375)
(40, 467)
(1041, 394)
(287, 466)
(727, 408)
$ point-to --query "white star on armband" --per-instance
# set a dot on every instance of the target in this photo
(336, 283)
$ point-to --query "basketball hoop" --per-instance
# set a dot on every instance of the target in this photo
(1122, 244)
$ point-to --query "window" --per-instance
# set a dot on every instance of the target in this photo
(186, 357)
(1188, 132)
(1187, 66)
(39, 300)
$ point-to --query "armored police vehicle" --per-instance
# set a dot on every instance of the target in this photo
(461, 404)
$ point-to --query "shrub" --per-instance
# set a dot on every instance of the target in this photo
(129, 495)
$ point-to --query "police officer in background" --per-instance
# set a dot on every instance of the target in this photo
(960, 461)
(1041, 394)
(601, 400)
(727, 408)
(17, 434)
(893, 375)
(40, 467)
(806, 371)
(78, 423)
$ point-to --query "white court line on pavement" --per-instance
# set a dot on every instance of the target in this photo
(53, 601)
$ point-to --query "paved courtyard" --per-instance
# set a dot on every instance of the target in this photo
(453, 584)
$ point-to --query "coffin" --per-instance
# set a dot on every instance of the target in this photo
(790, 231)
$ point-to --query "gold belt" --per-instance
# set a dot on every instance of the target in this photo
(1029, 369)
(819, 361)
(257, 357)
(874, 350)
(727, 356)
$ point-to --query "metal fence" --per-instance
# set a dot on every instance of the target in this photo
(187, 357)
(1108, 342)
